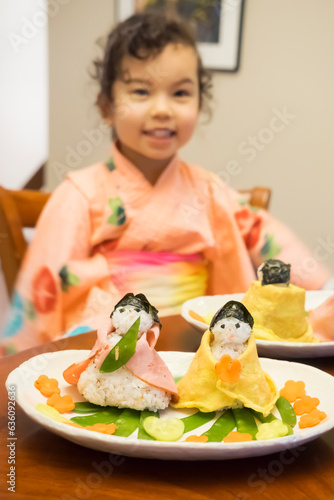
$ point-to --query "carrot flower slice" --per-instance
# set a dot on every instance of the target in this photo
(196, 439)
(61, 403)
(103, 428)
(305, 405)
(196, 316)
(228, 369)
(237, 437)
(312, 419)
(47, 386)
(293, 390)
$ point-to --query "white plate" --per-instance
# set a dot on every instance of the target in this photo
(211, 303)
(318, 384)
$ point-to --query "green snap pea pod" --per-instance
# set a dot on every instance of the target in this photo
(108, 416)
(122, 351)
(127, 422)
(142, 434)
(262, 418)
(222, 426)
(86, 407)
(196, 420)
(286, 411)
(245, 421)
(290, 431)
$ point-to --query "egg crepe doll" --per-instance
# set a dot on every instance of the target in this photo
(277, 306)
(226, 372)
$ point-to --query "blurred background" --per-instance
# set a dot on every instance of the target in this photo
(272, 124)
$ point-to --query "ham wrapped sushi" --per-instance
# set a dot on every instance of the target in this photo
(123, 369)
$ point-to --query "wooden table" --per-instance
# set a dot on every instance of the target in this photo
(50, 467)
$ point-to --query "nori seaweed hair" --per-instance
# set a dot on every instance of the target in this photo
(274, 272)
(233, 309)
(140, 301)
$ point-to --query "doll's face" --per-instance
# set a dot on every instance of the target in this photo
(124, 317)
(231, 330)
(155, 104)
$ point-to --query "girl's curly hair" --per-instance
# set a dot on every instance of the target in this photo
(143, 36)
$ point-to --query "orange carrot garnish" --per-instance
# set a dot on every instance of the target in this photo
(237, 437)
(293, 390)
(196, 439)
(103, 428)
(305, 405)
(312, 419)
(47, 386)
(73, 372)
(61, 403)
(228, 369)
(194, 315)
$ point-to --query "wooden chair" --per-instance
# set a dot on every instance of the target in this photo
(257, 197)
(21, 209)
(18, 210)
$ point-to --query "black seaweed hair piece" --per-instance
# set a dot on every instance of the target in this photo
(233, 309)
(140, 301)
(275, 271)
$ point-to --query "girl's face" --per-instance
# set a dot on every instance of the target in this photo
(155, 105)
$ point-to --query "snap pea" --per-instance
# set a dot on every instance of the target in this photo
(245, 421)
(286, 411)
(196, 420)
(122, 351)
(262, 418)
(86, 407)
(221, 427)
(108, 416)
(142, 434)
(127, 422)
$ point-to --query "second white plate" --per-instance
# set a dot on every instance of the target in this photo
(211, 303)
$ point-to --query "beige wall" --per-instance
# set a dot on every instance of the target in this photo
(287, 68)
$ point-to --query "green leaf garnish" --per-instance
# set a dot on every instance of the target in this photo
(122, 351)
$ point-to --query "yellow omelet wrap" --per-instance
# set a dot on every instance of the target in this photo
(201, 387)
(279, 313)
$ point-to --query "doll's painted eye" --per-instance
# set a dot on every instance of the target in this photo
(122, 310)
(137, 310)
(237, 325)
(222, 326)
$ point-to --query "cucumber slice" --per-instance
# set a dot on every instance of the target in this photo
(170, 429)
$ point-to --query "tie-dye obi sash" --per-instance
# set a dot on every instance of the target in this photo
(166, 279)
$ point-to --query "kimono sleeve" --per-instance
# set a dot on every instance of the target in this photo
(58, 270)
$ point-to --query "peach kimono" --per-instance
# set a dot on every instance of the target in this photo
(107, 231)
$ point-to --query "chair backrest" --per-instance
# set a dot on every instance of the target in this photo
(18, 210)
(257, 197)
(21, 209)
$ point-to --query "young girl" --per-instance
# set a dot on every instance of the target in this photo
(144, 220)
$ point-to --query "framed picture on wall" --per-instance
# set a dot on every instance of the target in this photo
(217, 25)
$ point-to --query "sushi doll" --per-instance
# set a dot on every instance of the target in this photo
(123, 369)
(277, 306)
(226, 372)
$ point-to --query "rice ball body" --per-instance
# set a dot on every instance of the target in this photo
(120, 388)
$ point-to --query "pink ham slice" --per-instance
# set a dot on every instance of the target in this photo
(322, 320)
(145, 364)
